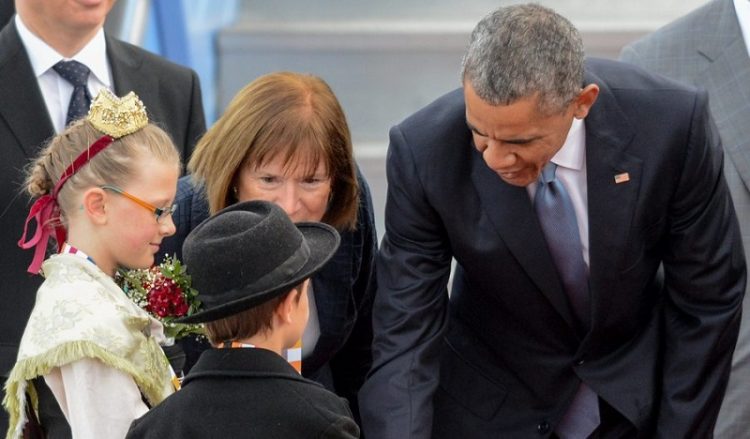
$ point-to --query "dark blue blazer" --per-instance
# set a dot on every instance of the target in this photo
(342, 290)
(501, 357)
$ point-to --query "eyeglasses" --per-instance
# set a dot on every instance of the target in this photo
(161, 212)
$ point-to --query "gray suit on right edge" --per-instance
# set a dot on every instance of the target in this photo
(705, 48)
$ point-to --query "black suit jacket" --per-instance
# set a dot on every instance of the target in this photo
(173, 100)
(501, 356)
(343, 293)
(248, 393)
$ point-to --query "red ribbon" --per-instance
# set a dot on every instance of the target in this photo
(46, 212)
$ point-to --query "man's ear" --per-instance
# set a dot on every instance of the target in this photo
(585, 100)
(94, 206)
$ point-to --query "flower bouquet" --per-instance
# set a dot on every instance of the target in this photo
(164, 291)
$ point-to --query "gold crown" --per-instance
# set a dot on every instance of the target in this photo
(115, 116)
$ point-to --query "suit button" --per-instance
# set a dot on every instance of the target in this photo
(580, 362)
(543, 427)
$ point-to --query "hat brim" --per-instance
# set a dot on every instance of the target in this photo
(323, 241)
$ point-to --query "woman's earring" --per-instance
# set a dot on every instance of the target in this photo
(236, 192)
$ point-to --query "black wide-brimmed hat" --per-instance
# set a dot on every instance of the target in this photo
(249, 253)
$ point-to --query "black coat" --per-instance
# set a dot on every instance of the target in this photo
(501, 357)
(172, 97)
(248, 393)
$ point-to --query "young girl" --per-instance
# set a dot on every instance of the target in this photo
(105, 188)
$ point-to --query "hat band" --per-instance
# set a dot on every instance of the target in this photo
(274, 278)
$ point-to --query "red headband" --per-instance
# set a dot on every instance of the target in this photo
(46, 211)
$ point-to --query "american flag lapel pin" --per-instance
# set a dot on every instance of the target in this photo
(622, 178)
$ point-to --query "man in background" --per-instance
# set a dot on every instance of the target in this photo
(709, 48)
(54, 56)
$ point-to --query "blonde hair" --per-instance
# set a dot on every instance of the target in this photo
(280, 113)
(113, 165)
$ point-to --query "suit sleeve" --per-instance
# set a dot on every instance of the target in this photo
(410, 307)
(351, 364)
(197, 123)
(704, 269)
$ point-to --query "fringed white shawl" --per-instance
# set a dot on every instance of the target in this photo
(81, 313)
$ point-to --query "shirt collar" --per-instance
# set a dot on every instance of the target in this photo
(573, 151)
(43, 57)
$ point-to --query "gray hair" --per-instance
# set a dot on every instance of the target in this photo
(520, 51)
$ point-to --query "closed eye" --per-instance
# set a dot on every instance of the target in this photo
(519, 142)
(313, 183)
(313, 180)
(269, 179)
(475, 130)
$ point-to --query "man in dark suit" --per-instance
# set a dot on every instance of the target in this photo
(708, 48)
(560, 187)
(34, 108)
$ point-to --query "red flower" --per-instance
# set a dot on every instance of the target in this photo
(165, 298)
(164, 291)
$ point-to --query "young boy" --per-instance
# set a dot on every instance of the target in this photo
(251, 265)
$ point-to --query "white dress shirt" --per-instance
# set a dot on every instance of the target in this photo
(56, 90)
(571, 171)
(742, 8)
(312, 331)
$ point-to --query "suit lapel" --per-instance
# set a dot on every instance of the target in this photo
(127, 74)
(611, 203)
(23, 109)
(509, 209)
(611, 206)
(727, 78)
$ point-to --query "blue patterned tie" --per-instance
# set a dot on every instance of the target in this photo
(558, 221)
(560, 227)
(78, 75)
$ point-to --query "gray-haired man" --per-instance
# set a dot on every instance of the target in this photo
(559, 187)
